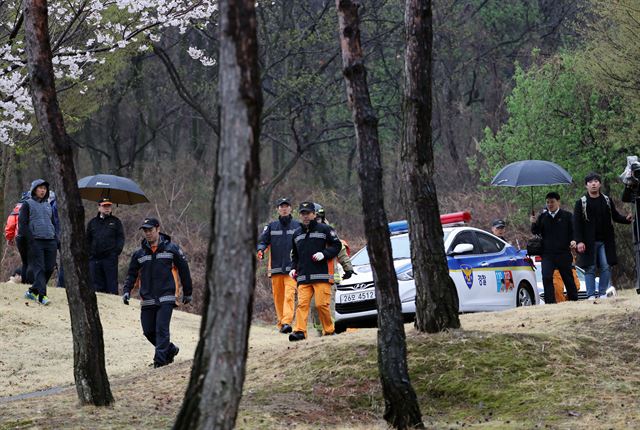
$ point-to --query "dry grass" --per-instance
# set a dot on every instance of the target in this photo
(572, 365)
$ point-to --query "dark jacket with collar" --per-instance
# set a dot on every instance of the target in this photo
(158, 279)
(105, 236)
(585, 231)
(556, 232)
(277, 235)
(307, 240)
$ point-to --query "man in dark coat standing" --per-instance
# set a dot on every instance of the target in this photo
(105, 237)
(594, 215)
(555, 225)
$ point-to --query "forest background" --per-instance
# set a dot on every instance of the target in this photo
(512, 80)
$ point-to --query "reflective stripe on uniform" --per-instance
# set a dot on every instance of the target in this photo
(301, 278)
(165, 255)
(276, 232)
(324, 276)
(318, 235)
(167, 299)
(144, 258)
(276, 270)
(149, 302)
(290, 231)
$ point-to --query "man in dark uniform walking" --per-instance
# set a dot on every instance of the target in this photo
(105, 237)
(315, 245)
(158, 264)
(277, 237)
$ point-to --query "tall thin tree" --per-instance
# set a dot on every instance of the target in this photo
(215, 388)
(401, 404)
(436, 297)
(92, 383)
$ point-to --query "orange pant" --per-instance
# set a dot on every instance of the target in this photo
(284, 298)
(558, 285)
(322, 291)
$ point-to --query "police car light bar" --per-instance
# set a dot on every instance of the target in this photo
(447, 220)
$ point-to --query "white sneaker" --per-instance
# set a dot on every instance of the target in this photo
(591, 298)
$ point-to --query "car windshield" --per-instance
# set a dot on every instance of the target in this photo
(399, 247)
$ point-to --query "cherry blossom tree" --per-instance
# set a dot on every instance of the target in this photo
(83, 33)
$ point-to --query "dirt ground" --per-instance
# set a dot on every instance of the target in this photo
(583, 374)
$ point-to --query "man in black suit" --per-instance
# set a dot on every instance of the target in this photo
(555, 225)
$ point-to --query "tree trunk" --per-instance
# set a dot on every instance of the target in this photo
(89, 371)
(436, 297)
(215, 388)
(401, 404)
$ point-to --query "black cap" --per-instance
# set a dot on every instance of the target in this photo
(105, 201)
(307, 207)
(150, 223)
(499, 223)
(283, 201)
(591, 176)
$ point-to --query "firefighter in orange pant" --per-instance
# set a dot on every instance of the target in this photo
(314, 247)
(277, 237)
(558, 285)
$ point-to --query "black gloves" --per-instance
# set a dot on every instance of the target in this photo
(347, 274)
(186, 299)
(125, 298)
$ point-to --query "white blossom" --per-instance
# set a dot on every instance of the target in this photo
(110, 25)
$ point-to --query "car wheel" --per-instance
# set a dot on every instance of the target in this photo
(524, 296)
(339, 327)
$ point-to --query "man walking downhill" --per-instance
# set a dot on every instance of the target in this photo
(555, 225)
(277, 237)
(105, 237)
(35, 223)
(158, 264)
(594, 215)
(314, 247)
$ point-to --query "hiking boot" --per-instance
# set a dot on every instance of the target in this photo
(30, 296)
(286, 328)
(296, 336)
(44, 300)
(170, 360)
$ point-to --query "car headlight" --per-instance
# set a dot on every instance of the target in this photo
(405, 276)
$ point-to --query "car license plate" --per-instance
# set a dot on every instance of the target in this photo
(360, 296)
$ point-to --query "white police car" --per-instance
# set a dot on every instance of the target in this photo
(489, 274)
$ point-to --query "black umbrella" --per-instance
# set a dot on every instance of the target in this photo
(531, 173)
(116, 188)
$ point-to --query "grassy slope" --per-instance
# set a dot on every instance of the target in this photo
(567, 366)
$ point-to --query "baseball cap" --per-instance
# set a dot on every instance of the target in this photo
(306, 207)
(283, 201)
(499, 223)
(150, 223)
(105, 201)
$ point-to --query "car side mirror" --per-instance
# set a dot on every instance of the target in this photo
(462, 248)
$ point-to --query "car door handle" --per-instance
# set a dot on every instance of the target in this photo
(484, 264)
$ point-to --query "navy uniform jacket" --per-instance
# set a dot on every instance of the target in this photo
(278, 236)
(307, 240)
(158, 280)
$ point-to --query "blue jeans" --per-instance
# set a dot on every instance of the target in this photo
(600, 260)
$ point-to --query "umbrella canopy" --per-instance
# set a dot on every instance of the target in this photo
(116, 188)
(530, 173)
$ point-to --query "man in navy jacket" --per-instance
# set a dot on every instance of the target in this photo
(277, 238)
(158, 264)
